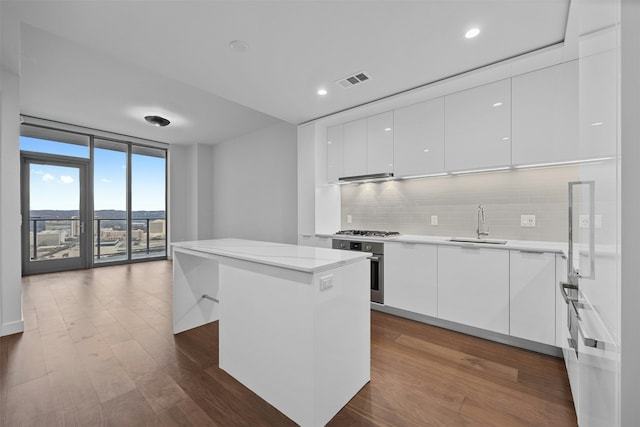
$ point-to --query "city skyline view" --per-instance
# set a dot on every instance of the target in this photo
(126, 219)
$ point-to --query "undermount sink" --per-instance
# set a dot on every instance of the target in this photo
(474, 240)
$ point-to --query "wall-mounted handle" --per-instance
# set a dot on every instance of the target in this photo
(563, 287)
(205, 296)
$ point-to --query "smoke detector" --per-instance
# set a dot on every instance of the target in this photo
(353, 80)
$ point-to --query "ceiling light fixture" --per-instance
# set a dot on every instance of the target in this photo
(426, 150)
(472, 32)
(387, 129)
(322, 92)
(239, 46)
(157, 120)
(497, 104)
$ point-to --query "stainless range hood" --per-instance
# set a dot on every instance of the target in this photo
(366, 178)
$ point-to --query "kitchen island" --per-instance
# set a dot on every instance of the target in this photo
(294, 321)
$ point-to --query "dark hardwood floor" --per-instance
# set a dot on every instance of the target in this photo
(98, 350)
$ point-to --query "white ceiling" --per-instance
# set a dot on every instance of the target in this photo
(104, 64)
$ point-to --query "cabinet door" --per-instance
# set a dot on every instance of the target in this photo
(478, 127)
(532, 293)
(545, 115)
(380, 143)
(598, 108)
(354, 143)
(418, 143)
(473, 287)
(411, 277)
(334, 153)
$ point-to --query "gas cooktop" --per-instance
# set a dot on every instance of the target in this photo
(367, 233)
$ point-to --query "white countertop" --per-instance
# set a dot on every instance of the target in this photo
(521, 245)
(307, 259)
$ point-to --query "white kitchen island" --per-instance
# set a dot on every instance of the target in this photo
(294, 321)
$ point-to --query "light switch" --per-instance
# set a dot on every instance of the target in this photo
(434, 219)
(349, 219)
(326, 283)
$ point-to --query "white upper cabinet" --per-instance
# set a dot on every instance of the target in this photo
(380, 143)
(478, 127)
(335, 159)
(354, 143)
(532, 279)
(545, 115)
(598, 108)
(419, 138)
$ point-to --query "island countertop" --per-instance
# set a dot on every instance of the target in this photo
(300, 258)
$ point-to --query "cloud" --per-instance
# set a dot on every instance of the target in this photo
(38, 172)
(106, 180)
(65, 179)
(48, 177)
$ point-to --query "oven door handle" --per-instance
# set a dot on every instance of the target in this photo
(373, 258)
(563, 287)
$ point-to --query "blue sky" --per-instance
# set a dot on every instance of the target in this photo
(57, 188)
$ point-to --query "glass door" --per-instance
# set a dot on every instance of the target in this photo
(54, 213)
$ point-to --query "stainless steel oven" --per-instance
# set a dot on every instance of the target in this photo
(377, 263)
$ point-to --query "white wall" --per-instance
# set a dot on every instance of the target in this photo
(190, 192)
(255, 185)
(10, 263)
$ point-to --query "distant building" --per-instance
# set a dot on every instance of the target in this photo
(158, 226)
(51, 237)
(75, 226)
(111, 234)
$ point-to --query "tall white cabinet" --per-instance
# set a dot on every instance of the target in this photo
(545, 115)
(335, 158)
(354, 145)
(380, 143)
(478, 127)
(419, 138)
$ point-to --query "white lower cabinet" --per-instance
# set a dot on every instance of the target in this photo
(532, 296)
(411, 277)
(473, 287)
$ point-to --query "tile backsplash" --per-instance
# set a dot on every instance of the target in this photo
(407, 205)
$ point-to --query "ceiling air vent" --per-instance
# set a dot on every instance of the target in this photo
(353, 80)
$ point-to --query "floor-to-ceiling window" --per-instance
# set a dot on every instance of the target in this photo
(148, 189)
(90, 200)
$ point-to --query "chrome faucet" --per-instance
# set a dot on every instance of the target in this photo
(483, 229)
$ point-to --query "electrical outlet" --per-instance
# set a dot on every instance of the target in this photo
(584, 221)
(527, 220)
(326, 283)
(434, 219)
(349, 219)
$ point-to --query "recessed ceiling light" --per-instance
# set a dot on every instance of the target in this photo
(597, 124)
(505, 138)
(239, 46)
(497, 104)
(322, 92)
(472, 32)
(387, 129)
(426, 150)
(157, 120)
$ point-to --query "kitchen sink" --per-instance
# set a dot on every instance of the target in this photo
(474, 240)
